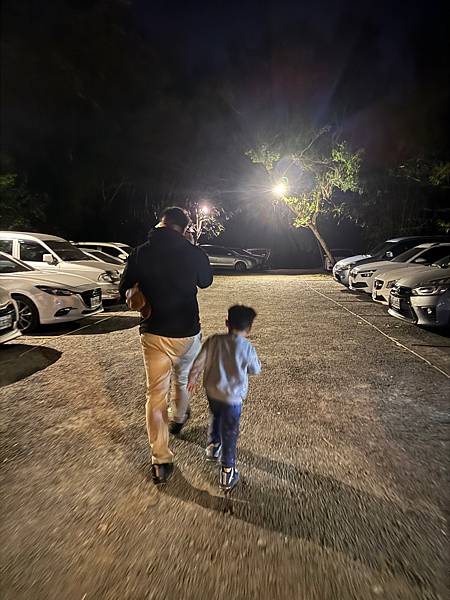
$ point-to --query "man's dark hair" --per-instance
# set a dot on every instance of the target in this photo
(241, 317)
(174, 215)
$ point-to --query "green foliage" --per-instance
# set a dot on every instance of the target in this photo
(265, 156)
(20, 209)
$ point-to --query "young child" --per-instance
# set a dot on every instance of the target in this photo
(227, 360)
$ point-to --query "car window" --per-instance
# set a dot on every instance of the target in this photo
(111, 250)
(6, 246)
(444, 263)
(405, 256)
(433, 254)
(66, 251)
(32, 251)
(106, 257)
(216, 251)
(8, 265)
(401, 247)
(381, 248)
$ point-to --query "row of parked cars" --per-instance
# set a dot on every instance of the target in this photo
(411, 275)
(45, 279)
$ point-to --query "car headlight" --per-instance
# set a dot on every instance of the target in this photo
(109, 277)
(367, 273)
(432, 288)
(54, 291)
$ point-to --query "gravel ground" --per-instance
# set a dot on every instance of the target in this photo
(343, 460)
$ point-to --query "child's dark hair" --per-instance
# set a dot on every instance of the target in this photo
(241, 317)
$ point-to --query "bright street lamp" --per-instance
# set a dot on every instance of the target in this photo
(204, 210)
(279, 189)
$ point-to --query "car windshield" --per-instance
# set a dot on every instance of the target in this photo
(443, 263)
(405, 256)
(105, 257)
(66, 251)
(11, 265)
(381, 248)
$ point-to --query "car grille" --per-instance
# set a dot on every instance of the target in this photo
(403, 295)
(359, 284)
(6, 313)
(91, 297)
(401, 291)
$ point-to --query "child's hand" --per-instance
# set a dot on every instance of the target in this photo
(191, 386)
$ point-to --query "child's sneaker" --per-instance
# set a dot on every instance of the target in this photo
(213, 451)
(229, 477)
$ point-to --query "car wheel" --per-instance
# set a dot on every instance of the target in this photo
(240, 267)
(28, 314)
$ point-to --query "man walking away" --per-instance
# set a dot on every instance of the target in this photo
(168, 270)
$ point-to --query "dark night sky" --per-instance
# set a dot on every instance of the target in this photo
(195, 84)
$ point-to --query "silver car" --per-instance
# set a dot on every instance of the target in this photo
(423, 298)
(226, 258)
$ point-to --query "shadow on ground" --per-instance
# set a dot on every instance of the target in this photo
(309, 506)
(18, 361)
(102, 324)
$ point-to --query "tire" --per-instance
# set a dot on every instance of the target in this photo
(240, 267)
(28, 314)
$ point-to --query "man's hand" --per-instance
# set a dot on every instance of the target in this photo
(191, 386)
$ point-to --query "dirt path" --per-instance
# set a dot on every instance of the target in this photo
(343, 457)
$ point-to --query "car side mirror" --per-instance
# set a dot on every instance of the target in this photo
(49, 259)
(420, 260)
(123, 256)
(389, 255)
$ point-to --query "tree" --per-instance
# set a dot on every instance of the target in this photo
(19, 208)
(310, 177)
(207, 220)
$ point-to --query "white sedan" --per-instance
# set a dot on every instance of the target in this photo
(423, 298)
(362, 276)
(385, 280)
(45, 298)
(9, 317)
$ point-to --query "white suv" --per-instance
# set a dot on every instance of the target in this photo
(50, 253)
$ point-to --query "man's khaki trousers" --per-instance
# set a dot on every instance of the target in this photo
(162, 357)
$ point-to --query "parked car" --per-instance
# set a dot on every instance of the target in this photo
(54, 254)
(260, 260)
(226, 258)
(384, 251)
(100, 256)
(264, 253)
(338, 254)
(44, 298)
(384, 281)
(423, 298)
(116, 249)
(362, 276)
(9, 317)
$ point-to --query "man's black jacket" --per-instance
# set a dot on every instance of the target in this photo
(168, 269)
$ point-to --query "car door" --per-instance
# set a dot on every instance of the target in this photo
(32, 252)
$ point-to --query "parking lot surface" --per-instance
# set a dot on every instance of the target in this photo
(343, 458)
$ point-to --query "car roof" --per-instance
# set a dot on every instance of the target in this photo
(120, 244)
(30, 236)
(432, 244)
(431, 238)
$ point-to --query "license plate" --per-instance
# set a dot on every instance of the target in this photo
(95, 301)
(395, 302)
(6, 322)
